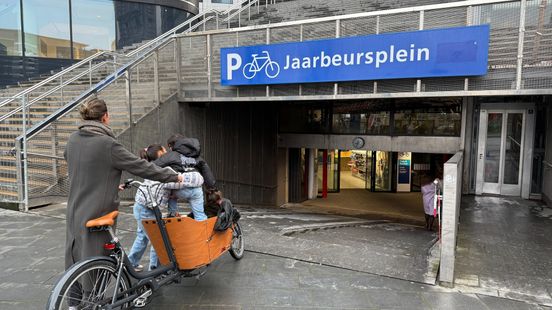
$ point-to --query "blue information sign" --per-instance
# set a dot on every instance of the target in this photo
(458, 51)
(404, 171)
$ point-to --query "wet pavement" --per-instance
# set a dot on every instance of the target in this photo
(505, 248)
(31, 256)
(374, 246)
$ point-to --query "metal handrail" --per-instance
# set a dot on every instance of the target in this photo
(97, 88)
(98, 54)
(47, 93)
(251, 3)
(53, 77)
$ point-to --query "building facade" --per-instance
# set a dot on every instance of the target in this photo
(388, 133)
(37, 36)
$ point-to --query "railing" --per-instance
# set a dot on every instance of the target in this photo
(518, 59)
(38, 148)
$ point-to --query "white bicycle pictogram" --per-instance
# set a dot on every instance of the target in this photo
(272, 68)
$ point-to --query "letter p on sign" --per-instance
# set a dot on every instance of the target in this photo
(233, 63)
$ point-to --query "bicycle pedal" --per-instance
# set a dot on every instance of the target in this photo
(141, 301)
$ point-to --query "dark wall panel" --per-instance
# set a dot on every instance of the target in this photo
(14, 69)
(239, 144)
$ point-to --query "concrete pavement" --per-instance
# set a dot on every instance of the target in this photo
(31, 255)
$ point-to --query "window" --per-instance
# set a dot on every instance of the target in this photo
(365, 117)
(223, 1)
(46, 27)
(10, 28)
(93, 27)
(429, 117)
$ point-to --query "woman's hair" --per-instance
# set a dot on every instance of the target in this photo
(213, 196)
(172, 139)
(151, 153)
(93, 109)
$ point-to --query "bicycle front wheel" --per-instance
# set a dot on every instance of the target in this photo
(88, 285)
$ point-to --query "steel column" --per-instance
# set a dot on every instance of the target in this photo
(267, 42)
(337, 34)
(24, 157)
(421, 27)
(521, 30)
(209, 79)
(156, 76)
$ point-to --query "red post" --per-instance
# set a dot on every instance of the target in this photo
(325, 174)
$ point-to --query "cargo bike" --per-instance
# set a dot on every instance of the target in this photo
(185, 248)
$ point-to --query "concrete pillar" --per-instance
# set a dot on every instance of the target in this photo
(452, 193)
(547, 177)
(282, 191)
(312, 175)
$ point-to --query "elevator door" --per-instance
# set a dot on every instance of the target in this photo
(500, 153)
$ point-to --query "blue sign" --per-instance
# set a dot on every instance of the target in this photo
(404, 171)
(458, 51)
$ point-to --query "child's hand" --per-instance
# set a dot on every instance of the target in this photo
(180, 178)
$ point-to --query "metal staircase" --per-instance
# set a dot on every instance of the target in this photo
(36, 121)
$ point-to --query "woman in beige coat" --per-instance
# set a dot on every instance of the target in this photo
(95, 163)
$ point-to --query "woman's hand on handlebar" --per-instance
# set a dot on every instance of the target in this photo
(121, 187)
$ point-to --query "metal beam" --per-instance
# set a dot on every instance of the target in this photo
(460, 93)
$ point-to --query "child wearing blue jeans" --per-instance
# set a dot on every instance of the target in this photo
(185, 157)
(191, 180)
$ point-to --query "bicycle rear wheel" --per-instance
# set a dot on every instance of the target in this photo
(88, 285)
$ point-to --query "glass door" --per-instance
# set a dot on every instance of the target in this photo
(332, 170)
(383, 171)
(500, 152)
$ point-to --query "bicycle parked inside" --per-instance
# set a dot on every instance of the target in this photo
(110, 282)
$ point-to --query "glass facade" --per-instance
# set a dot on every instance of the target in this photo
(76, 29)
(47, 28)
(10, 28)
(93, 27)
(395, 117)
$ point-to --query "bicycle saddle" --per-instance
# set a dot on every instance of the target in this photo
(106, 220)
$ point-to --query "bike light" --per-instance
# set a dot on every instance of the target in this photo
(109, 246)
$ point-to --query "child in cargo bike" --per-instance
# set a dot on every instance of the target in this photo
(192, 179)
(184, 157)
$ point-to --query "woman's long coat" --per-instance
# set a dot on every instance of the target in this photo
(95, 163)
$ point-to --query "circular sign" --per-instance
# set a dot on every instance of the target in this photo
(358, 142)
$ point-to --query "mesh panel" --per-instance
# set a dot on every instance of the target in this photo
(399, 22)
(358, 26)
(167, 71)
(252, 91)
(325, 30)
(537, 60)
(284, 90)
(313, 89)
(503, 44)
(443, 84)
(285, 34)
(356, 87)
(10, 128)
(396, 86)
(194, 67)
(142, 89)
(446, 18)
(217, 42)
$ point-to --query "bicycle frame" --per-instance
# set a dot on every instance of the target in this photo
(147, 278)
